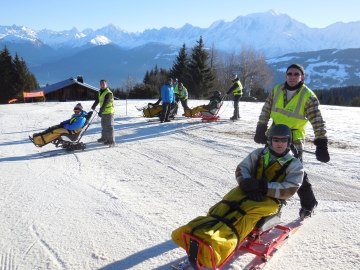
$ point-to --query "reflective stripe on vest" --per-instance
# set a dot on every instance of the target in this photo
(110, 106)
(293, 114)
(73, 119)
(269, 171)
(238, 90)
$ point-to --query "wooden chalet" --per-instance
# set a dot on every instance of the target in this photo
(69, 90)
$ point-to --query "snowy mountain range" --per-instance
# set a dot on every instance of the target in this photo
(272, 33)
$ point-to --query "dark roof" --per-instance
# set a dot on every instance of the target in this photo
(62, 84)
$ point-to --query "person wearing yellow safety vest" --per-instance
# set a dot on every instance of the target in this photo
(272, 171)
(236, 89)
(181, 94)
(294, 105)
(106, 112)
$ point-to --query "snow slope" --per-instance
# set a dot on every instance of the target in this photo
(115, 208)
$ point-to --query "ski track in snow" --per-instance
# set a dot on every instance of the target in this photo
(115, 208)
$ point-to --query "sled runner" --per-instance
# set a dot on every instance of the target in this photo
(68, 141)
(252, 244)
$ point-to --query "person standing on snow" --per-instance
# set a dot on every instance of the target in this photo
(167, 97)
(106, 113)
(236, 89)
(294, 104)
(181, 94)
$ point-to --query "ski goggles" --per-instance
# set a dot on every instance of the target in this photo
(283, 140)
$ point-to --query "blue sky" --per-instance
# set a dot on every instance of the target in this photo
(139, 15)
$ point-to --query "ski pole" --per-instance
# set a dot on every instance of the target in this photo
(309, 152)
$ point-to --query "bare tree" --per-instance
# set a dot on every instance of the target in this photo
(128, 85)
(251, 68)
(217, 66)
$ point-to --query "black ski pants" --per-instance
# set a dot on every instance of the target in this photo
(305, 192)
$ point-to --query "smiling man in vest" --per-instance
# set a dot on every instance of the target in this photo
(294, 104)
(106, 112)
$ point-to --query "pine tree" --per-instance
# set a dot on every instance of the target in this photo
(180, 68)
(330, 100)
(200, 77)
(7, 73)
(15, 77)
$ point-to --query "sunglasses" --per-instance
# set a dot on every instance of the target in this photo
(77, 111)
(283, 140)
(293, 74)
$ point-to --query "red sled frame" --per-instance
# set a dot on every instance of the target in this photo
(250, 244)
(208, 116)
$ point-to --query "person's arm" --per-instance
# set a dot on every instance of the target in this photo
(185, 94)
(247, 166)
(212, 105)
(292, 182)
(232, 88)
(313, 114)
(96, 102)
(78, 123)
(266, 110)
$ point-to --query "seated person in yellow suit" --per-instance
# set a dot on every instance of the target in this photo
(213, 105)
(266, 177)
(71, 126)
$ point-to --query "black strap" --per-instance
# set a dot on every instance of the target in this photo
(193, 252)
(234, 206)
(229, 223)
(281, 171)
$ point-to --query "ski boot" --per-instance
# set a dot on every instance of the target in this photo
(305, 213)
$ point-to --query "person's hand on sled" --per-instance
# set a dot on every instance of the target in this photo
(100, 114)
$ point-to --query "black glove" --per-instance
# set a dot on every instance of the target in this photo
(100, 114)
(61, 124)
(255, 195)
(252, 184)
(260, 136)
(321, 152)
(248, 184)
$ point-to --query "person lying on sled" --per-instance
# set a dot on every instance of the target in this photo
(71, 126)
(214, 102)
(266, 177)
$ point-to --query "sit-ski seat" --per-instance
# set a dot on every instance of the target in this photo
(74, 139)
(54, 135)
(212, 115)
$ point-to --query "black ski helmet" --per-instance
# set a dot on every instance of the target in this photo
(217, 93)
(280, 130)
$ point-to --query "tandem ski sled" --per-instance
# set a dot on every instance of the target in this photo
(265, 239)
(68, 142)
(209, 116)
(234, 224)
(155, 110)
